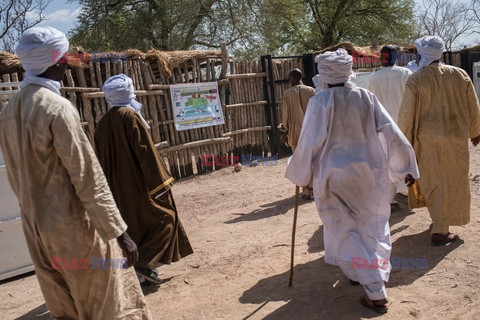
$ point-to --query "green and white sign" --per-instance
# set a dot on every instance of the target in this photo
(196, 105)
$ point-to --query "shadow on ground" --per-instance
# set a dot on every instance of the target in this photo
(21, 276)
(315, 243)
(39, 313)
(275, 208)
(321, 291)
(399, 215)
(416, 246)
(150, 287)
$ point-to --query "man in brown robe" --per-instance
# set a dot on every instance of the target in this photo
(295, 101)
(74, 231)
(139, 180)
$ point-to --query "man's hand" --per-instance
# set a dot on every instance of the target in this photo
(285, 139)
(129, 248)
(475, 141)
(409, 180)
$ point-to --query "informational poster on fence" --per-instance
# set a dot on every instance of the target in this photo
(196, 105)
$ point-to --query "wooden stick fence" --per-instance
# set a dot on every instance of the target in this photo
(183, 150)
(245, 131)
(240, 83)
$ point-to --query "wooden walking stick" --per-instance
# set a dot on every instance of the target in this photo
(295, 213)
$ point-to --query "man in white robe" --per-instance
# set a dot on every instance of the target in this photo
(351, 146)
(388, 85)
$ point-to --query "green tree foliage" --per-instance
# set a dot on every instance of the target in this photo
(361, 21)
(299, 26)
(250, 27)
(161, 24)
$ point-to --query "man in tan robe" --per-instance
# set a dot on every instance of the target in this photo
(295, 101)
(439, 113)
(139, 180)
(74, 231)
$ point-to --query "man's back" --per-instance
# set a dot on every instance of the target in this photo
(343, 126)
(28, 145)
(351, 141)
(442, 95)
(388, 84)
(51, 166)
(295, 102)
(299, 95)
(127, 153)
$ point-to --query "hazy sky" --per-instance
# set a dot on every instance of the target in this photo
(62, 16)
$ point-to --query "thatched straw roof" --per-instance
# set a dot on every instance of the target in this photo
(167, 60)
(171, 59)
(369, 51)
(365, 51)
(9, 62)
(350, 47)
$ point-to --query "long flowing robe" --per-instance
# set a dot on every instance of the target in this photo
(295, 102)
(68, 212)
(388, 85)
(439, 112)
(350, 145)
(140, 183)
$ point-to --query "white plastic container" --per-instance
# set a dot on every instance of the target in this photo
(14, 255)
(362, 79)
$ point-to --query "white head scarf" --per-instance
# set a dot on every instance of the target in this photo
(39, 49)
(319, 84)
(119, 92)
(413, 66)
(430, 48)
(334, 67)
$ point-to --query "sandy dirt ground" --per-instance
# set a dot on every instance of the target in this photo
(240, 226)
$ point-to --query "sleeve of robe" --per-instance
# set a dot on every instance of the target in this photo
(398, 151)
(284, 125)
(86, 174)
(406, 116)
(370, 85)
(312, 137)
(473, 109)
(157, 178)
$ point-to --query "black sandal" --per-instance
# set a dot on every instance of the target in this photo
(379, 306)
(438, 239)
(150, 275)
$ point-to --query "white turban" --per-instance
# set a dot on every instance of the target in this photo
(413, 66)
(430, 48)
(40, 48)
(119, 92)
(334, 67)
(319, 84)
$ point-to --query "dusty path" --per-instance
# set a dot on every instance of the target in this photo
(240, 227)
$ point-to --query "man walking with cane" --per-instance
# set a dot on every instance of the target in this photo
(350, 146)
